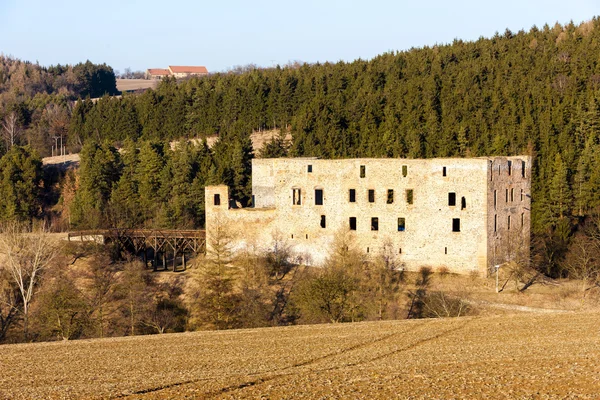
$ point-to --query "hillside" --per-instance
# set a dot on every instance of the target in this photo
(511, 356)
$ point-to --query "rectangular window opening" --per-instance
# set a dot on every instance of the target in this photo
(495, 198)
(374, 224)
(310, 168)
(401, 224)
(404, 170)
(451, 199)
(512, 194)
(463, 203)
(455, 224)
(352, 195)
(352, 223)
(371, 196)
(318, 197)
(445, 250)
(509, 167)
(521, 194)
(507, 195)
(495, 223)
(217, 199)
(296, 197)
(522, 220)
(523, 169)
(390, 196)
(400, 250)
(443, 171)
(409, 196)
(323, 224)
(363, 171)
(508, 223)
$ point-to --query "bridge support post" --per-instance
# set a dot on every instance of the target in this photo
(183, 261)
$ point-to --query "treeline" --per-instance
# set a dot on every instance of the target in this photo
(36, 101)
(52, 290)
(149, 184)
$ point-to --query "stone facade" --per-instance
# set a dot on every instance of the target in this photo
(464, 214)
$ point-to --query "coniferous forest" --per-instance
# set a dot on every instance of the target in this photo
(534, 92)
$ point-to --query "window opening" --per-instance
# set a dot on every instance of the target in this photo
(443, 171)
(523, 169)
(495, 198)
(307, 235)
(404, 170)
(445, 250)
(521, 194)
(296, 197)
(374, 224)
(217, 199)
(322, 221)
(400, 250)
(507, 195)
(455, 224)
(309, 168)
(390, 196)
(508, 223)
(363, 171)
(292, 235)
(495, 223)
(318, 197)
(451, 199)
(401, 224)
(352, 223)
(371, 196)
(352, 195)
(463, 203)
(509, 167)
(512, 194)
(409, 196)
(367, 249)
(522, 220)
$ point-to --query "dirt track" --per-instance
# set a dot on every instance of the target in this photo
(514, 356)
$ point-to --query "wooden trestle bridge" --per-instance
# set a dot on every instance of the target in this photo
(153, 245)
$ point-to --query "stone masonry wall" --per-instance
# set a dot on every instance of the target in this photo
(449, 223)
(509, 217)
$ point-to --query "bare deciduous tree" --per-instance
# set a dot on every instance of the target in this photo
(25, 255)
(10, 129)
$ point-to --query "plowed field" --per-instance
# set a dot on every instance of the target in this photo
(507, 356)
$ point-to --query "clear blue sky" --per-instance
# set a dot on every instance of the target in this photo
(222, 34)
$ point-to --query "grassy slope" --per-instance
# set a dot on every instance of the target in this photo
(506, 356)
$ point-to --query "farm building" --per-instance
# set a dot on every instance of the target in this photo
(466, 214)
(157, 73)
(184, 72)
(176, 71)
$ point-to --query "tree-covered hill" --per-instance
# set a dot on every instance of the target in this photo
(532, 92)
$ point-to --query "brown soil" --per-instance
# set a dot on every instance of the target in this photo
(506, 356)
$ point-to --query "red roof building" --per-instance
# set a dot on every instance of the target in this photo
(157, 73)
(184, 71)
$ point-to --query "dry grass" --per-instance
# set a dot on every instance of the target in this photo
(136, 84)
(511, 356)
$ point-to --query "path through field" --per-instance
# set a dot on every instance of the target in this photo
(508, 356)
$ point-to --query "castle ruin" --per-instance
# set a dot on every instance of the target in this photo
(464, 214)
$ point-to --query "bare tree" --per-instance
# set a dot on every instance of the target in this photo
(10, 129)
(25, 256)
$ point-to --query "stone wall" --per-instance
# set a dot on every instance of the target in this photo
(509, 204)
(447, 223)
